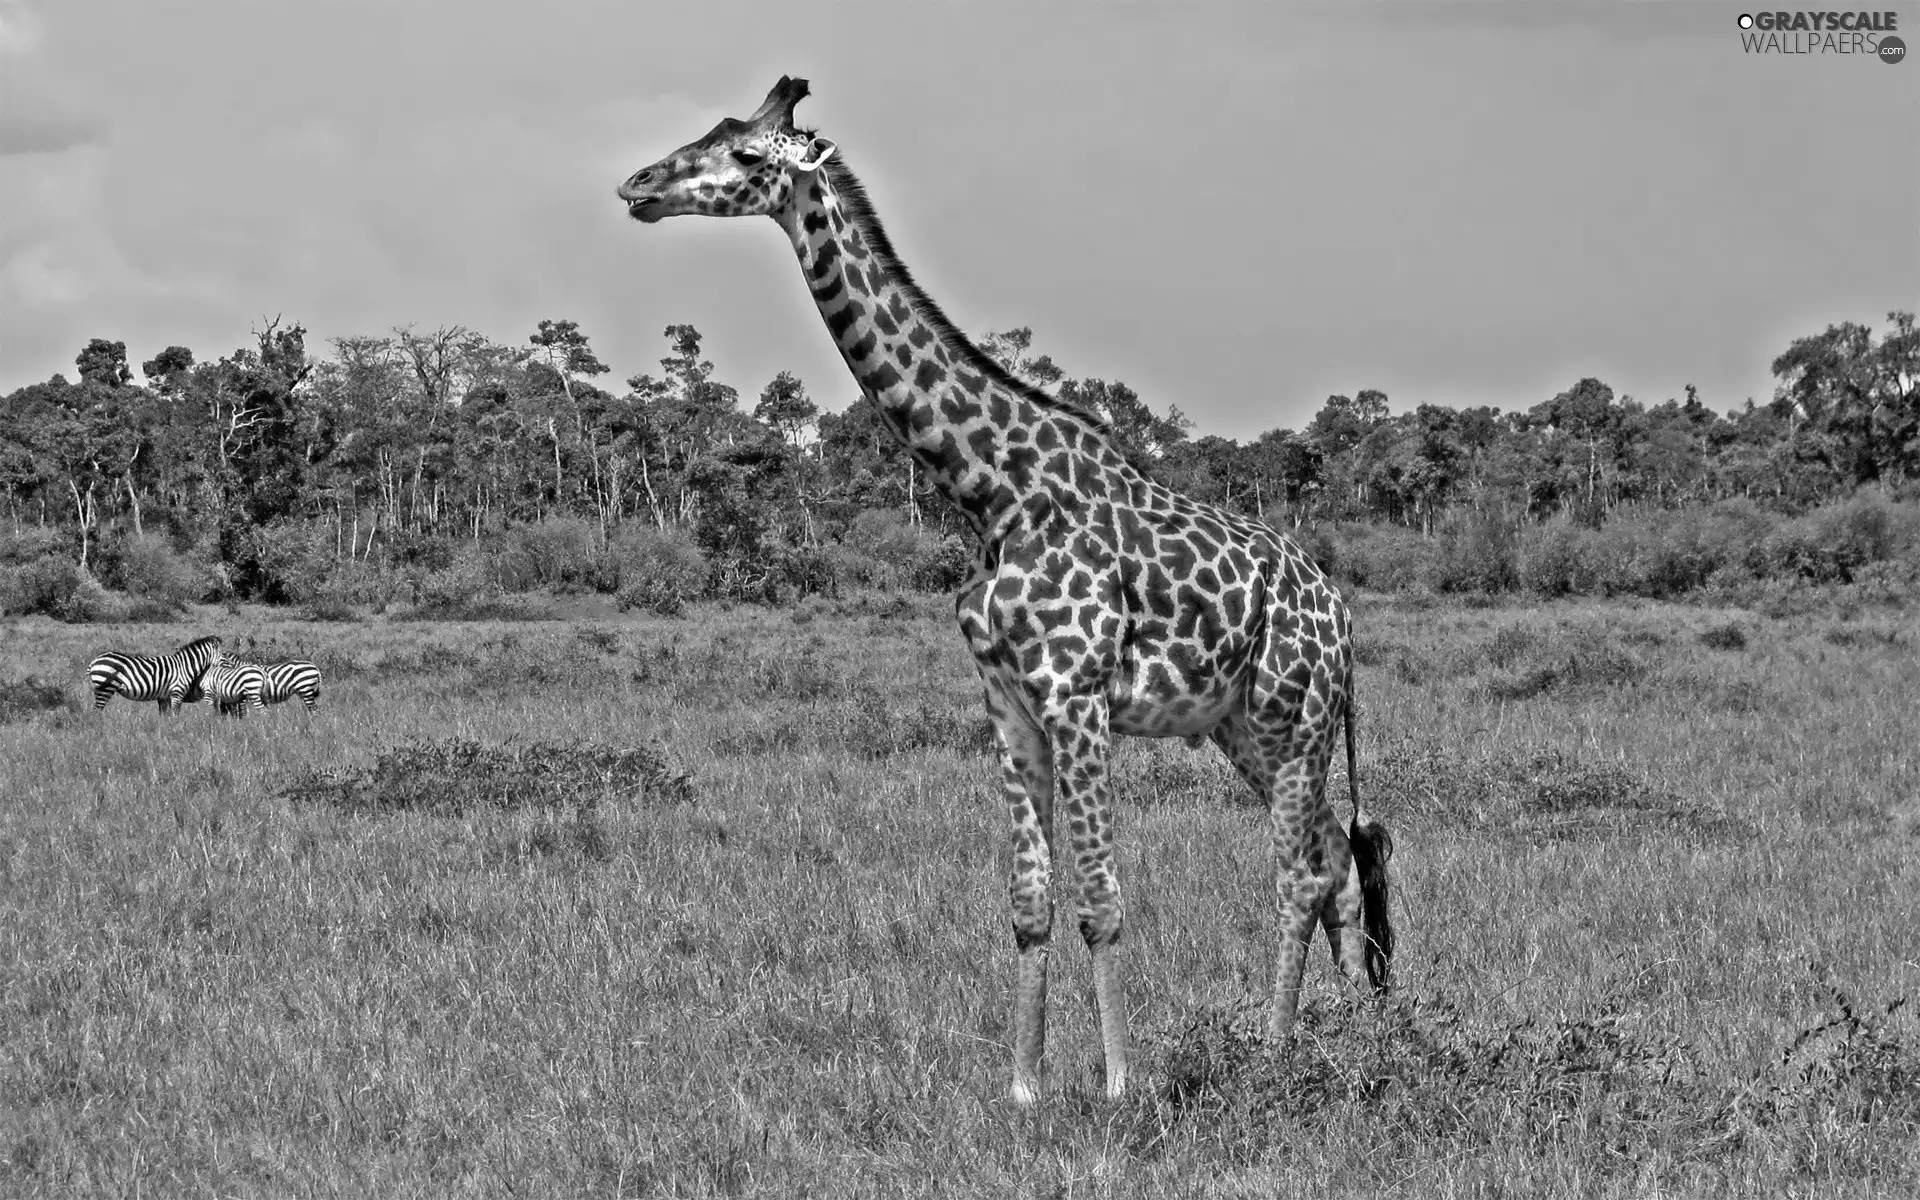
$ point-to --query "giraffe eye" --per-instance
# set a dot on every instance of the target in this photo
(748, 158)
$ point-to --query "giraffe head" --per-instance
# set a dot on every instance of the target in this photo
(740, 169)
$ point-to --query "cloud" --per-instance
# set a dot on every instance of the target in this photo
(19, 28)
(41, 112)
(49, 130)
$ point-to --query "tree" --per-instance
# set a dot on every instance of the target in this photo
(105, 363)
(166, 371)
(1826, 384)
(1141, 435)
(786, 408)
(563, 350)
(1342, 422)
(1010, 350)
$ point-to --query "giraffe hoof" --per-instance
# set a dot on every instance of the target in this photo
(1023, 1094)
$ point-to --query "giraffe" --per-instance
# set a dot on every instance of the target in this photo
(1101, 602)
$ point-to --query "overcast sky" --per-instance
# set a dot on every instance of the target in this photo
(1238, 208)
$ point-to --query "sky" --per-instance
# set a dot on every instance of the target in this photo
(1238, 208)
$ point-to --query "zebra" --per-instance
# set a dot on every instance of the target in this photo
(295, 677)
(232, 685)
(166, 678)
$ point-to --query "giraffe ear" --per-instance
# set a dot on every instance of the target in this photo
(818, 152)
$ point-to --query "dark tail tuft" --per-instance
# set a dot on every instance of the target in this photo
(1372, 847)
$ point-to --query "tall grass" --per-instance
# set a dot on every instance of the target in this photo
(715, 905)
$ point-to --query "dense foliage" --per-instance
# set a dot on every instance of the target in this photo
(444, 468)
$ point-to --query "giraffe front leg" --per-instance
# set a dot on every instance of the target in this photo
(1026, 778)
(1078, 730)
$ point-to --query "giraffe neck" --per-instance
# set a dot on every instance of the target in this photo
(977, 431)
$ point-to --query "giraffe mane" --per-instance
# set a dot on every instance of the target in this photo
(859, 209)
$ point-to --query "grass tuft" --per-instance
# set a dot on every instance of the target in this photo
(453, 777)
(21, 699)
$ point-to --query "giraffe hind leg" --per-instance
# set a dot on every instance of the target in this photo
(1343, 914)
(1311, 854)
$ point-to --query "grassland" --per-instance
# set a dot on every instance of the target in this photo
(624, 906)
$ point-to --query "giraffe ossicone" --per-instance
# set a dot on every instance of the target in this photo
(1101, 601)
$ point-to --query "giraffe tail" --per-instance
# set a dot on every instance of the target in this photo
(1372, 847)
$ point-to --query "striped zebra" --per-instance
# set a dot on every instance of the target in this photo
(232, 686)
(295, 677)
(166, 678)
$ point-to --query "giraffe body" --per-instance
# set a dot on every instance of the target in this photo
(1101, 603)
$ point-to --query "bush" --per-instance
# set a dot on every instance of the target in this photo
(801, 571)
(881, 535)
(1830, 544)
(1553, 558)
(466, 583)
(1317, 543)
(1476, 553)
(855, 567)
(357, 581)
(150, 569)
(58, 589)
(1386, 558)
(285, 561)
(659, 571)
(29, 543)
(941, 566)
(879, 549)
(556, 554)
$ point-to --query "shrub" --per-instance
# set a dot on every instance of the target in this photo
(29, 543)
(801, 571)
(150, 569)
(1318, 544)
(556, 554)
(58, 589)
(357, 581)
(1553, 558)
(881, 550)
(659, 572)
(855, 567)
(284, 561)
(1388, 559)
(467, 582)
(881, 535)
(940, 566)
(1476, 553)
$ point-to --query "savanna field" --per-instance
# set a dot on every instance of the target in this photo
(625, 905)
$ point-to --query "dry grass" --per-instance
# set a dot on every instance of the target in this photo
(623, 906)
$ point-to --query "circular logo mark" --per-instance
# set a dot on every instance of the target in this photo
(1892, 49)
(1746, 20)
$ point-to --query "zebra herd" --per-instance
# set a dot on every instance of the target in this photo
(201, 673)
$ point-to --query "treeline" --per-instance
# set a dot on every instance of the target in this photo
(443, 468)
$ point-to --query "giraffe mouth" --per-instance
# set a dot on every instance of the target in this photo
(645, 209)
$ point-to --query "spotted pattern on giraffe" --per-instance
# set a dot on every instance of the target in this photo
(1101, 602)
